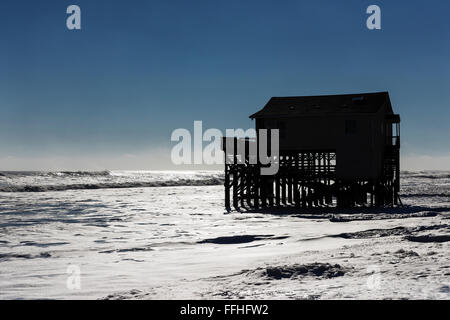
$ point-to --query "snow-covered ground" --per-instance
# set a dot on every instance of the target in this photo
(149, 235)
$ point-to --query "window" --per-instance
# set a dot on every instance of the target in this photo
(350, 126)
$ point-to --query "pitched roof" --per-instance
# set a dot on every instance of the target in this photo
(325, 104)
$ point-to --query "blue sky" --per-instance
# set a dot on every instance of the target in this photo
(109, 95)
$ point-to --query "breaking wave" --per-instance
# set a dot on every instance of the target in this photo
(112, 185)
(35, 181)
(425, 174)
(40, 181)
(13, 174)
(80, 173)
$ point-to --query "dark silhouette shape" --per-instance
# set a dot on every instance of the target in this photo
(335, 150)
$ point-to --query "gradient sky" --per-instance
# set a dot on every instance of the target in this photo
(109, 96)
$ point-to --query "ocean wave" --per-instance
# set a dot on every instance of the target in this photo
(425, 195)
(112, 185)
(79, 173)
(439, 176)
(425, 174)
(13, 174)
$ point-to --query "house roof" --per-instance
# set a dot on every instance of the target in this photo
(325, 104)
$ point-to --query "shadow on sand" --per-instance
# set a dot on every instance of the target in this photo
(348, 214)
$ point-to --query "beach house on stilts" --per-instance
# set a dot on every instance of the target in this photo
(334, 150)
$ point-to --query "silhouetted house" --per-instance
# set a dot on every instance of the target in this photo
(334, 149)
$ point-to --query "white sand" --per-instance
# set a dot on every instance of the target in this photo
(177, 243)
